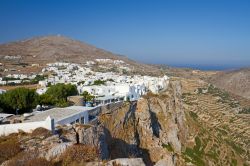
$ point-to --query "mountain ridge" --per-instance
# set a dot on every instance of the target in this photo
(54, 45)
(48, 49)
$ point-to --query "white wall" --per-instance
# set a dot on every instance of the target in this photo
(26, 127)
(72, 119)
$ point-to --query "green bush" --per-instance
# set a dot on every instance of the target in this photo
(57, 95)
(99, 82)
(193, 115)
(168, 147)
(20, 98)
(87, 96)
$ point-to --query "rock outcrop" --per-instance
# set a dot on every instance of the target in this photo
(152, 128)
(96, 136)
(120, 162)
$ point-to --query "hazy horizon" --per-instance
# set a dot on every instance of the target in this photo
(205, 35)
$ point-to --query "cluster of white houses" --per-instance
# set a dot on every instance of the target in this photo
(129, 87)
(113, 89)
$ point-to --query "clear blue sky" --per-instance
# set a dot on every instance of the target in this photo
(175, 32)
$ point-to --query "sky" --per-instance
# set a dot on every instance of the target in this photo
(184, 33)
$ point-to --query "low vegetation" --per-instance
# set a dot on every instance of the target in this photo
(99, 82)
(29, 158)
(41, 132)
(224, 96)
(9, 147)
(79, 154)
(168, 147)
(193, 115)
(87, 96)
(245, 111)
(195, 154)
(25, 81)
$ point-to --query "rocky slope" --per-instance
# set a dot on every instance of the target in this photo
(181, 129)
(153, 128)
(191, 123)
(48, 49)
(237, 81)
(53, 48)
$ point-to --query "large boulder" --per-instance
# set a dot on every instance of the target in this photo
(96, 136)
(57, 150)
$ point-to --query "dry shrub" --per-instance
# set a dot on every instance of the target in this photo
(39, 162)
(9, 147)
(79, 154)
(149, 95)
(41, 132)
(114, 163)
(62, 131)
(29, 158)
(22, 133)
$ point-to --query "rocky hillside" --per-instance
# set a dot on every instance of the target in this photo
(216, 125)
(200, 126)
(41, 50)
(191, 123)
(237, 81)
(53, 48)
(154, 128)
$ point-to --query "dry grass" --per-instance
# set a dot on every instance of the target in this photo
(79, 154)
(9, 147)
(29, 159)
(33, 86)
(41, 132)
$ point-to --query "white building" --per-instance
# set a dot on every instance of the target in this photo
(2, 91)
(41, 91)
(63, 116)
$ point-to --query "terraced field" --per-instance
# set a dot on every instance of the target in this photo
(222, 135)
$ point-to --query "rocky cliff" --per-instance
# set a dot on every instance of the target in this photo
(153, 128)
(190, 123)
(175, 128)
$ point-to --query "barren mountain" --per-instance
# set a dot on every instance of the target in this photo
(237, 81)
(48, 49)
(54, 48)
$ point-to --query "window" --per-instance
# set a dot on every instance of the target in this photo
(82, 120)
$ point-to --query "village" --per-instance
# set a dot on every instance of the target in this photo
(107, 89)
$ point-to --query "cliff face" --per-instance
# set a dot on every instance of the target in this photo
(179, 129)
(153, 128)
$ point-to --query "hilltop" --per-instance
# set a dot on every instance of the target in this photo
(48, 49)
(54, 48)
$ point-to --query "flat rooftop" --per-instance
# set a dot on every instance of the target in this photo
(3, 115)
(57, 113)
(107, 98)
